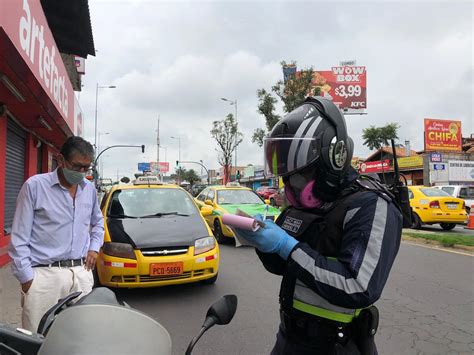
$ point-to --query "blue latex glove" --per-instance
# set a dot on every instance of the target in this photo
(271, 239)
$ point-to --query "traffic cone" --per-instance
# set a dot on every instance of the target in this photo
(470, 219)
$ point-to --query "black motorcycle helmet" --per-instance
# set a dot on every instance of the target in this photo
(311, 137)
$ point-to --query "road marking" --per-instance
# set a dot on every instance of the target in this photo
(438, 248)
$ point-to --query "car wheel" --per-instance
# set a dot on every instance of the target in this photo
(221, 239)
(210, 281)
(272, 202)
(415, 221)
(447, 226)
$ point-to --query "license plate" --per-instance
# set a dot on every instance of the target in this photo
(166, 269)
(452, 206)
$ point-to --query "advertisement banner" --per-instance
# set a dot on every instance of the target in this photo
(164, 167)
(154, 167)
(144, 166)
(346, 86)
(375, 166)
(27, 28)
(443, 135)
(410, 162)
(461, 171)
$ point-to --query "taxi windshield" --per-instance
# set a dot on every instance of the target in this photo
(237, 197)
(146, 202)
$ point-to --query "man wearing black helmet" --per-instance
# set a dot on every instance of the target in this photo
(335, 244)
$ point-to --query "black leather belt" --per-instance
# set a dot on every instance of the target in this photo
(64, 263)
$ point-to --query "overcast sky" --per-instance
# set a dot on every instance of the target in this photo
(176, 59)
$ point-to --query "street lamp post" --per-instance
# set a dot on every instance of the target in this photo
(97, 87)
(98, 139)
(236, 125)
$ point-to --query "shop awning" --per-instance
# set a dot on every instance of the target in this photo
(70, 24)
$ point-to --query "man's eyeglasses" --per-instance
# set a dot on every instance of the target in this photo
(79, 167)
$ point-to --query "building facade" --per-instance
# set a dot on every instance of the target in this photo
(38, 106)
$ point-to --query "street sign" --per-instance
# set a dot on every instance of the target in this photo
(439, 166)
(436, 157)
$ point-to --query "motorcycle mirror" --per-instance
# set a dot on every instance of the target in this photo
(221, 312)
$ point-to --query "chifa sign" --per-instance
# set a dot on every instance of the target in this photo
(442, 135)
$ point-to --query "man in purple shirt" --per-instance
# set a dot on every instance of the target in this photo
(57, 232)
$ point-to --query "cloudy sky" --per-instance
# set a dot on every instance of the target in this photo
(176, 59)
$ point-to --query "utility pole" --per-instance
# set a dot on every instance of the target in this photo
(158, 145)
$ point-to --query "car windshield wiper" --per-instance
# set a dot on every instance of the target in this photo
(161, 214)
(120, 216)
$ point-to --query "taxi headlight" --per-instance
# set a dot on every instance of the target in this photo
(204, 244)
(121, 250)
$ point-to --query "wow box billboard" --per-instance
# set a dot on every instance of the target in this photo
(345, 85)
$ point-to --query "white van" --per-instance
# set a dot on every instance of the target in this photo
(462, 191)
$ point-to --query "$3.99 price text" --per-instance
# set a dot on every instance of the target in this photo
(348, 91)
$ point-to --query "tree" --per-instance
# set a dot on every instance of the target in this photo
(179, 175)
(191, 176)
(228, 138)
(378, 137)
(291, 92)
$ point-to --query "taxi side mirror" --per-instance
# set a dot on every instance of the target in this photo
(206, 210)
(267, 202)
(208, 202)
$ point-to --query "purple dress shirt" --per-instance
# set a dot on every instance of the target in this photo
(49, 225)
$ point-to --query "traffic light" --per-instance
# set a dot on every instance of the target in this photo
(237, 176)
(143, 148)
(177, 163)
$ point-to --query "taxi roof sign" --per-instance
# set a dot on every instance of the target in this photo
(232, 184)
(148, 180)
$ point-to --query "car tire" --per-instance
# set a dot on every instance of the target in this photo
(447, 226)
(415, 221)
(210, 281)
(272, 202)
(221, 239)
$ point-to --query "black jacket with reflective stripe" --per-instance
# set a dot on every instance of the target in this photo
(345, 252)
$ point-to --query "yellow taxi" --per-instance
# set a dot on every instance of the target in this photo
(155, 235)
(431, 205)
(227, 199)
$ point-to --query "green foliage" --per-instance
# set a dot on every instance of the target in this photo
(292, 93)
(191, 176)
(227, 137)
(447, 240)
(378, 137)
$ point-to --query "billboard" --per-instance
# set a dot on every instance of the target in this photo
(345, 85)
(144, 166)
(442, 135)
(161, 167)
(461, 171)
(375, 166)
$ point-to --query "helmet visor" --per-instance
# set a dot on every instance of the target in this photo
(285, 155)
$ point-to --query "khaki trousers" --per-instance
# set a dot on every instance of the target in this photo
(49, 285)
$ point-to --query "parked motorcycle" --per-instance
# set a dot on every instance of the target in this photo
(99, 324)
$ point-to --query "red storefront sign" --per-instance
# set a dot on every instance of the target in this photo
(375, 166)
(25, 25)
(442, 135)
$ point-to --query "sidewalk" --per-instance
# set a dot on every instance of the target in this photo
(10, 309)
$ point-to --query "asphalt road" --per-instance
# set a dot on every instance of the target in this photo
(427, 306)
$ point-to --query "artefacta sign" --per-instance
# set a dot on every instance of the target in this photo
(27, 28)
